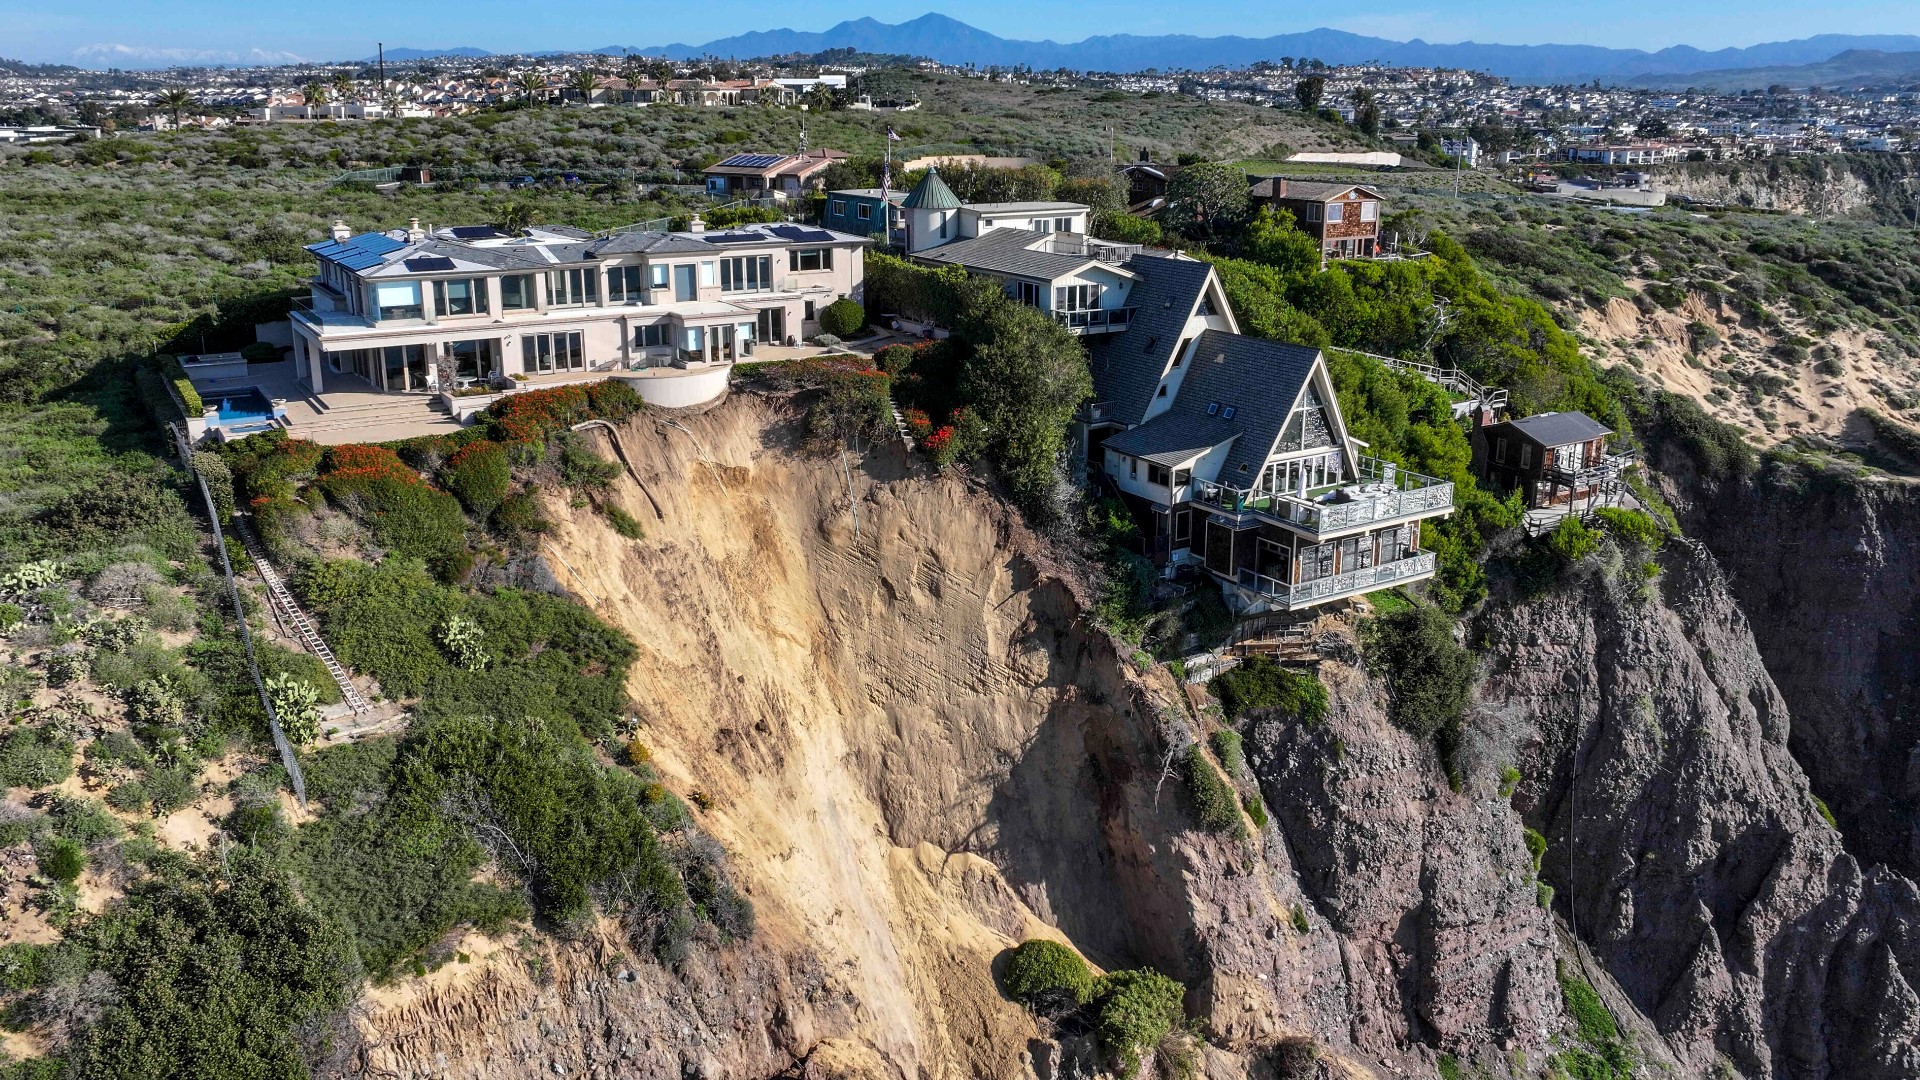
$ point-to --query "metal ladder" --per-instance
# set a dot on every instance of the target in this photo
(290, 611)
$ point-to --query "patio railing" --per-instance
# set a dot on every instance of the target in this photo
(1353, 582)
(1382, 492)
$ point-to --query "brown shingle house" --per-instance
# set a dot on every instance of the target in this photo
(1345, 218)
(1555, 459)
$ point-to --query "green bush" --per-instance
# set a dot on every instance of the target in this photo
(1602, 1054)
(34, 757)
(1226, 747)
(63, 862)
(893, 359)
(842, 318)
(622, 522)
(1572, 541)
(1136, 1010)
(1631, 526)
(1047, 977)
(1256, 810)
(519, 518)
(1429, 676)
(1212, 801)
(1536, 848)
(1259, 682)
(261, 352)
(479, 476)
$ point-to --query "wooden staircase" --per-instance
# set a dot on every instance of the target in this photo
(291, 614)
(1278, 637)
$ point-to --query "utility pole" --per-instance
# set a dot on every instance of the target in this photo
(381, 46)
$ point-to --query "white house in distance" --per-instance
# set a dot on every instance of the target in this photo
(436, 310)
(1233, 456)
(1040, 251)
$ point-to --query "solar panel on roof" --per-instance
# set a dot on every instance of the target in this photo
(429, 264)
(358, 253)
(475, 232)
(801, 235)
(734, 238)
(752, 161)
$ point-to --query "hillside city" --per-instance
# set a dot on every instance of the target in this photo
(1484, 120)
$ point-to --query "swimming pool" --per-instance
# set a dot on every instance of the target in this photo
(240, 406)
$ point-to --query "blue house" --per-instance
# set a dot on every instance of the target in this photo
(857, 211)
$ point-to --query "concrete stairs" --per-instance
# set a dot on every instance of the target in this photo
(369, 418)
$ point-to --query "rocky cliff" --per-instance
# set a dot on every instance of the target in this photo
(880, 688)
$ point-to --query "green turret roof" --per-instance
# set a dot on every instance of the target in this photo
(932, 193)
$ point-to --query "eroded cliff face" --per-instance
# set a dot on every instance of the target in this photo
(1682, 838)
(918, 753)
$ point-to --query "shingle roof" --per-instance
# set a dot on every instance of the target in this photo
(1283, 187)
(1127, 366)
(1258, 379)
(1561, 428)
(1010, 251)
(1174, 437)
(932, 193)
(1023, 207)
(650, 243)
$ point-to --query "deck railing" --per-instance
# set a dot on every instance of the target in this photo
(1095, 319)
(1367, 579)
(1382, 492)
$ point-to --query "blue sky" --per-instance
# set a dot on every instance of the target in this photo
(145, 31)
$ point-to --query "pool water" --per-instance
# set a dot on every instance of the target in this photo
(243, 405)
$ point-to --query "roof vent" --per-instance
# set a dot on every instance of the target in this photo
(1227, 413)
(415, 233)
(1213, 408)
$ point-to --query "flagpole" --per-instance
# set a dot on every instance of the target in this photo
(886, 188)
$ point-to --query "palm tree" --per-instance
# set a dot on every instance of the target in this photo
(343, 86)
(175, 101)
(529, 83)
(584, 82)
(315, 96)
(633, 69)
(515, 216)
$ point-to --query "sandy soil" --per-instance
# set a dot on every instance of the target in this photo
(1662, 346)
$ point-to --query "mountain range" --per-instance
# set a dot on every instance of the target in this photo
(949, 40)
(1855, 67)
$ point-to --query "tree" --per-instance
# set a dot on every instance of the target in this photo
(175, 102)
(1025, 379)
(515, 216)
(584, 82)
(344, 88)
(1274, 239)
(315, 96)
(1206, 199)
(1308, 92)
(529, 83)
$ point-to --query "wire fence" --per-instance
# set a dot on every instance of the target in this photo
(287, 758)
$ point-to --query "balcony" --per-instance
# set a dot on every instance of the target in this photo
(1352, 583)
(1382, 494)
(1095, 321)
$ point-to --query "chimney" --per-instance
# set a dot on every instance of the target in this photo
(696, 225)
(1145, 157)
(341, 233)
(415, 233)
(1280, 189)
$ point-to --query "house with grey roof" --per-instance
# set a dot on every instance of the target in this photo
(1234, 458)
(1556, 460)
(1344, 218)
(456, 310)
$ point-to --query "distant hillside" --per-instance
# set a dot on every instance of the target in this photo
(1855, 67)
(427, 54)
(951, 41)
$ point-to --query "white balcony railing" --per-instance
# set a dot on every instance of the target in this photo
(1381, 493)
(1352, 583)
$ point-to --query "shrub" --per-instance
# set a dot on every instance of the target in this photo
(64, 862)
(1256, 810)
(1259, 682)
(581, 468)
(1632, 526)
(893, 359)
(1536, 848)
(1572, 541)
(534, 416)
(1047, 977)
(1136, 1010)
(400, 509)
(479, 476)
(34, 757)
(1297, 916)
(842, 318)
(1213, 803)
(261, 352)
(519, 517)
(622, 522)
(1226, 747)
(462, 638)
(297, 704)
(1429, 676)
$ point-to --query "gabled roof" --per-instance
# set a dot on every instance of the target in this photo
(932, 193)
(649, 243)
(1174, 437)
(1259, 380)
(1560, 428)
(1127, 366)
(1283, 187)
